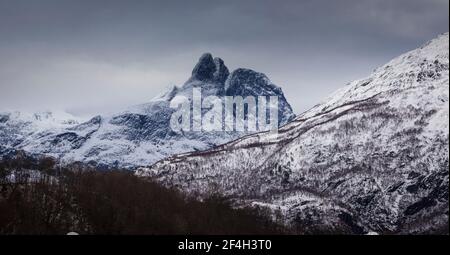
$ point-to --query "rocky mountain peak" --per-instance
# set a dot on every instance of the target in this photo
(221, 74)
(209, 69)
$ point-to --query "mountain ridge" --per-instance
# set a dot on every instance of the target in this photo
(372, 158)
(140, 134)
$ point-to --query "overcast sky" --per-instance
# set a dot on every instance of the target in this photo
(92, 56)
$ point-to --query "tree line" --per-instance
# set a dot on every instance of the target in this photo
(38, 196)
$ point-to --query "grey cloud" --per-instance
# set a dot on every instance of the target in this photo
(89, 56)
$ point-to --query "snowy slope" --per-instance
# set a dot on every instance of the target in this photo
(17, 127)
(372, 157)
(140, 135)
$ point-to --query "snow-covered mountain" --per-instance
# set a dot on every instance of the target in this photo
(372, 157)
(18, 126)
(139, 135)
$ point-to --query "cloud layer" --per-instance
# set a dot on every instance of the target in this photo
(93, 56)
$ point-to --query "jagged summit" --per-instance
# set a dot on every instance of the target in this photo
(209, 69)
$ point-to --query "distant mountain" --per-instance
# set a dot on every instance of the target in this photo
(372, 157)
(139, 135)
(19, 127)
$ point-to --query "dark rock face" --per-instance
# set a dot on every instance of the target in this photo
(221, 73)
(205, 68)
(4, 118)
(95, 122)
(71, 138)
(209, 69)
(246, 82)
